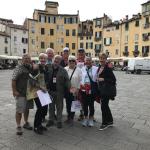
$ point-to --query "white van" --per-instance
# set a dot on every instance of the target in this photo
(137, 65)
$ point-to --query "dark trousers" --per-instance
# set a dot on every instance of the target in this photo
(106, 113)
(69, 98)
(39, 113)
(88, 104)
(45, 109)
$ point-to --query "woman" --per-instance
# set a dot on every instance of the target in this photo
(105, 76)
(37, 82)
(89, 75)
(75, 75)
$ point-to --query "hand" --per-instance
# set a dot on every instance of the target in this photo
(15, 93)
(72, 90)
(43, 90)
(35, 66)
(100, 79)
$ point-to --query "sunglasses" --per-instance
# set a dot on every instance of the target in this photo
(72, 61)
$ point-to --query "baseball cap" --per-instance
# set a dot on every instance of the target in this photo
(66, 49)
(81, 50)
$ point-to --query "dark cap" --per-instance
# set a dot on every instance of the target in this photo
(81, 50)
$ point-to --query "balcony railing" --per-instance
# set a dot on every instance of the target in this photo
(126, 53)
(146, 25)
(145, 54)
(136, 53)
(97, 50)
(97, 39)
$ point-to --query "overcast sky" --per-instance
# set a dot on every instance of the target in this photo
(18, 10)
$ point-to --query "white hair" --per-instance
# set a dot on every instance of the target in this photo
(49, 49)
(71, 57)
(43, 54)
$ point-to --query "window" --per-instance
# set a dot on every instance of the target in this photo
(24, 51)
(15, 38)
(49, 19)
(51, 31)
(73, 45)
(81, 45)
(108, 41)
(53, 19)
(147, 20)
(126, 39)
(117, 52)
(42, 31)
(117, 26)
(33, 41)
(90, 45)
(81, 37)
(136, 48)
(98, 22)
(126, 26)
(51, 45)
(67, 45)
(32, 30)
(67, 32)
(98, 47)
(137, 23)
(86, 45)
(73, 32)
(126, 48)
(6, 50)
(6, 41)
(42, 45)
(73, 54)
(24, 40)
(42, 18)
(136, 37)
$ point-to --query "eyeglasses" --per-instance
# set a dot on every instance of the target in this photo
(72, 61)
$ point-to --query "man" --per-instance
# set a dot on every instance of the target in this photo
(50, 54)
(64, 61)
(19, 87)
(59, 82)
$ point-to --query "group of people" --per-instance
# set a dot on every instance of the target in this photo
(63, 77)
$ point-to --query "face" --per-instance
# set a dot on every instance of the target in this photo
(66, 54)
(81, 55)
(57, 61)
(43, 59)
(102, 60)
(72, 63)
(88, 62)
(50, 54)
(26, 60)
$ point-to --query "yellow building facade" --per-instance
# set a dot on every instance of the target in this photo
(50, 29)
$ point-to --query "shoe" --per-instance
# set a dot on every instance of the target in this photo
(59, 125)
(43, 128)
(103, 127)
(67, 121)
(38, 131)
(50, 123)
(27, 126)
(19, 131)
(85, 123)
(81, 117)
(91, 123)
(110, 124)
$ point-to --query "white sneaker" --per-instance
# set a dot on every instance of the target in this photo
(91, 123)
(85, 123)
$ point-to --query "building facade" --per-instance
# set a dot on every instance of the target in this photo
(50, 29)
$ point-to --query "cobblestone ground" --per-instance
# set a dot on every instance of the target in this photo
(131, 111)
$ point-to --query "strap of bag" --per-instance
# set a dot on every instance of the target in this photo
(89, 76)
(72, 73)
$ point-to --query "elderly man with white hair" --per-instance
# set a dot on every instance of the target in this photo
(50, 54)
(59, 83)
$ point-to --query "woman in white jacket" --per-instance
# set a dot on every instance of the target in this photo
(89, 73)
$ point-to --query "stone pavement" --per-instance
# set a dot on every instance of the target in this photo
(131, 111)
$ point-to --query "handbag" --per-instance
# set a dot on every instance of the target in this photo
(94, 86)
(107, 90)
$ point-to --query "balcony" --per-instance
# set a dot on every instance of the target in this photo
(126, 53)
(145, 54)
(146, 37)
(136, 53)
(97, 50)
(146, 25)
(97, 39)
